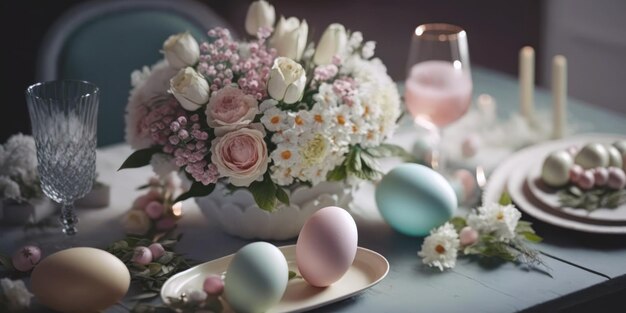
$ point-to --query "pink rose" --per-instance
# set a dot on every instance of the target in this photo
(230, 107)
(241, 155)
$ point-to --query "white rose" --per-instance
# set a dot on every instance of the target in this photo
(289, 37)
(287, 80)
(181, 50)
(17, 295)
(190, 89)
(333, 42)
(136, 222)
(260, 14)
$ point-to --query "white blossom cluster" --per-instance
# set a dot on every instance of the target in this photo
(18, 167)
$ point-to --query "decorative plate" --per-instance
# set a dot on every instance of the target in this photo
(367, 270)
(505, 178)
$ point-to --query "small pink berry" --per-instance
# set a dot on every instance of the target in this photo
(154, 209)
(26, 258)
(142, 255)
(600, 176)
(213, 285)
(157, 250)
(574, 173)
(468, 236)
(166, 223)
(586, 180)
(617, 178)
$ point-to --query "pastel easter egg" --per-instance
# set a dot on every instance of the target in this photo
(555, 171)
(413, 199)
(615, 156)
(592, 155)
(80, 280)
(256, 278)
(326, 246)
(617, 178)
(620, 146)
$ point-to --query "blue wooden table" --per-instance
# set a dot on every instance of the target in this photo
(583, 266)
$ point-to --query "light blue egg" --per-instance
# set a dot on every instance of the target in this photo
(413, 199)
(256, 278)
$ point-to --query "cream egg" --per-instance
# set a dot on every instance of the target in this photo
(615, 156)
(556, 169)
(592, 155)
(326, 246)
(256, 278)
(80, 280)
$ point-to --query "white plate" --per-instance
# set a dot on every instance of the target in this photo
(524, 158)
(367, 270)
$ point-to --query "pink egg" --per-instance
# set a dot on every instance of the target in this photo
(617, 178)
(586, 180)
(468, 236)
(326, 246)
(600, 176)
(574, 173)
(213, 285)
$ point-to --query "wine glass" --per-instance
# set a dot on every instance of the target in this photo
(63, 115)
(438, 89)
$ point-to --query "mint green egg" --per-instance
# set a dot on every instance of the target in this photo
(413, 199)
(256, 278)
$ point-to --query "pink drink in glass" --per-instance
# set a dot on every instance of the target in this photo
(438, 93)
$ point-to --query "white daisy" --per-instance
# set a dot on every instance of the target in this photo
(300, 120)
(285, 155)
(274, 119)
(441, 247)
(495, 218)
(321, 118)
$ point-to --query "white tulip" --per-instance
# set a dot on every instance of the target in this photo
(333, 42)
(287, 80)
(190, 89)
(260, 14)
(181, 50)
(289, 38)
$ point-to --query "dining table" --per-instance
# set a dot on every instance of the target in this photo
(582, 267)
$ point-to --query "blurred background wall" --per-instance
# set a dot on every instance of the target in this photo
(496, 30)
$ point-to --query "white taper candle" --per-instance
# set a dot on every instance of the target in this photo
(527, 82)
(559, 95)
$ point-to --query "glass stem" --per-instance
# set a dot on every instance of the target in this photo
(438, 158)
(68, 219)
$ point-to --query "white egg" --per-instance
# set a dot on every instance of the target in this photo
(615, 157)
(556, 167)
(80, 280)
(592, 155)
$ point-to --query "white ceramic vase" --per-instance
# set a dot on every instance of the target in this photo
(238, 215)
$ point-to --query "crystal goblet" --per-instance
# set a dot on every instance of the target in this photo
(63, 117)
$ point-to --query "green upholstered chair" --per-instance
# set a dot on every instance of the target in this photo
(104, 41)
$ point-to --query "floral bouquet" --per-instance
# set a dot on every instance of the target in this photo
(264, 114)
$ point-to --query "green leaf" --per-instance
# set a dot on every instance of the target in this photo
(197, 190)
(6, 262)
(337, 174)
(264, 193)
(505, 199)
(292, 275)
(140, 158)
(532, 237)
(385, 150)
(458, 223)
(282, 195)
(144, 296)
(355, 164)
